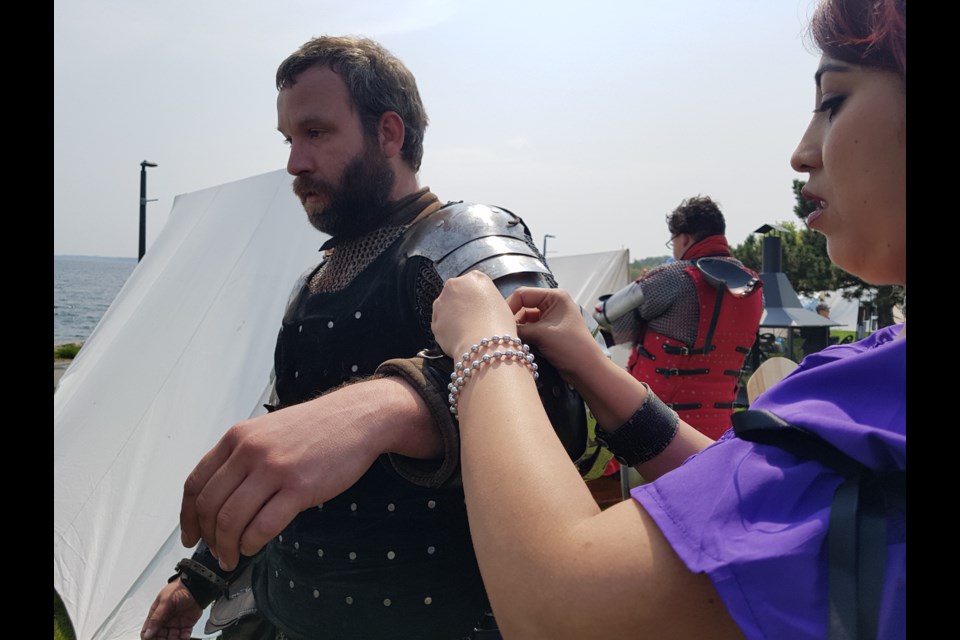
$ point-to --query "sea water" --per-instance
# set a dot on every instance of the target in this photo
(83, 289)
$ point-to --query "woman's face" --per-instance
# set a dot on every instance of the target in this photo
(854, 151)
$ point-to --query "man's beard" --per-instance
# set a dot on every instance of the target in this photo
(358, 204)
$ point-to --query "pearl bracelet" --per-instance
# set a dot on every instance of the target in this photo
(464, 369)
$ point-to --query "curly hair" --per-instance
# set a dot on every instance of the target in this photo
(699, 216)
(376, 80)
(871, 33)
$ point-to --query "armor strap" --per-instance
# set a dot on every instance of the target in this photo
(729, 405)
(669, 373)
(679, 406)
(679, 350)
(641, 351)
(203, 584)
(690, 406)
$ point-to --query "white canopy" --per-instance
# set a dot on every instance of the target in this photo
(184, 352)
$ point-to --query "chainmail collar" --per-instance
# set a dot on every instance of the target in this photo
(345, 259)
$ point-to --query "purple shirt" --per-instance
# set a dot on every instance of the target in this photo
(760, 536)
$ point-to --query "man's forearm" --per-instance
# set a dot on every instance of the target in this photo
(395, 417)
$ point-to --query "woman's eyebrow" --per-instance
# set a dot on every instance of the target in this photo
(829, 66)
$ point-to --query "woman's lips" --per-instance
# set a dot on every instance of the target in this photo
(816, 213)
(821, 207)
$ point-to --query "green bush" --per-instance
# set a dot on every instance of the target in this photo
(66, 351)
(62, 628)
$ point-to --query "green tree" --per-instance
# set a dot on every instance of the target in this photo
(639, 267)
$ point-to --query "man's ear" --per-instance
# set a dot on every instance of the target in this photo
(390, 132)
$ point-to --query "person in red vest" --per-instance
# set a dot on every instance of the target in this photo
(691, 330)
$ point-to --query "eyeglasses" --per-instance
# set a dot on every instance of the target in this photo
(669, 242)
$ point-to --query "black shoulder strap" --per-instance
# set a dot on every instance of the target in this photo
(857, 535)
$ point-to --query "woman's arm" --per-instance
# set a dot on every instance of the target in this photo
(550, 319)
(555, 566)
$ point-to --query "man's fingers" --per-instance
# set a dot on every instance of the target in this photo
(270, 520)
(196, 483)
(149, 629)
(235, 516)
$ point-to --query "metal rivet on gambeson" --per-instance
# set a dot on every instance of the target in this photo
(349, 600)
(428, 600)
(431, 549)
(357, 315)
(353, 555)
(391, 555)
(386, 602)
(316, 594)
(330, 325)
(391, 507)
(431, 504)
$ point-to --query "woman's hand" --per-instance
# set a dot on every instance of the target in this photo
(551, 320)
(469, 308)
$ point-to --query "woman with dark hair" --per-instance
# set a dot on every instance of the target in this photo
(728, 539)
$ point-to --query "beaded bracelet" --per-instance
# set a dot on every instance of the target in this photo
(464, 369)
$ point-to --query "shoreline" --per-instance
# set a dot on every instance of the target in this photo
(59, 366)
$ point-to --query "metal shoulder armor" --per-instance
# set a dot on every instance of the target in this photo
(464, 236)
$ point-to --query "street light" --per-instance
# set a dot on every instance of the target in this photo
(143, 207)
(545, 236)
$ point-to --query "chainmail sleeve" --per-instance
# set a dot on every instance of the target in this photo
(670, 305)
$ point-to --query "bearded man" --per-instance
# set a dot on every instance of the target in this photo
(340, 514)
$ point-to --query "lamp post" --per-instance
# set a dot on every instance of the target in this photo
(143, 207)
(545, 236)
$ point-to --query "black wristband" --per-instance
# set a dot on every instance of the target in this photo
(203, 584)
(645, 435)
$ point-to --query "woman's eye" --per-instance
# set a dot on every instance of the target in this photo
(831, 105)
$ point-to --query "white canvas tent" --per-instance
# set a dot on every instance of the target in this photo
(184, 352)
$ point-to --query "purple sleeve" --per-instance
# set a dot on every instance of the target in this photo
(759, 532)
(767, 522)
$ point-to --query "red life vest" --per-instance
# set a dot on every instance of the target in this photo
(701, 385)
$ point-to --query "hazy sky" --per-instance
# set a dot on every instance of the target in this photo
(591, 120)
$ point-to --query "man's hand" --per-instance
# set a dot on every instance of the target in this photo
(266, 470)
(172, 615)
